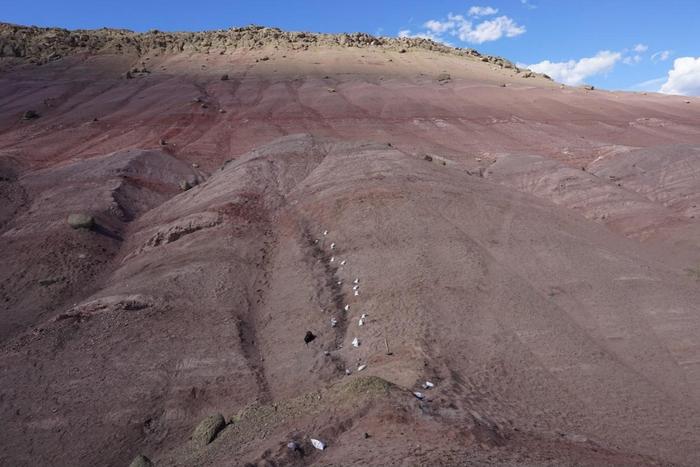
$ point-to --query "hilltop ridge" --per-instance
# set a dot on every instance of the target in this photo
(40, 45)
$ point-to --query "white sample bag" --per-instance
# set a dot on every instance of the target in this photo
(318, 444)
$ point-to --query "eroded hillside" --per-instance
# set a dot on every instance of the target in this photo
(425, 214)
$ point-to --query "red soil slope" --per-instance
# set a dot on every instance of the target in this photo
(530, 249)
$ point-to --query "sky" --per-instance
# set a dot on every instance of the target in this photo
(636, 45)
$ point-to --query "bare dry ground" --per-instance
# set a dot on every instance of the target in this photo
(530, 249)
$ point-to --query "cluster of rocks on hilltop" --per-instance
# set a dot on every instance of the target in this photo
(42, 45)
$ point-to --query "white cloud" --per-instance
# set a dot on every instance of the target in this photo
(482, 11)
(491, 30)
(439, 27)
(575, 72)
(637, 55)
(661, 56)
(528, 5)
(648, 85)
(684, 77)
(632, 59)
(463, 28)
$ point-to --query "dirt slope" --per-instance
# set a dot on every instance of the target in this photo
(528, 248)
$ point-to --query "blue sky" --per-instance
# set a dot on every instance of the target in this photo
(613, 44)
